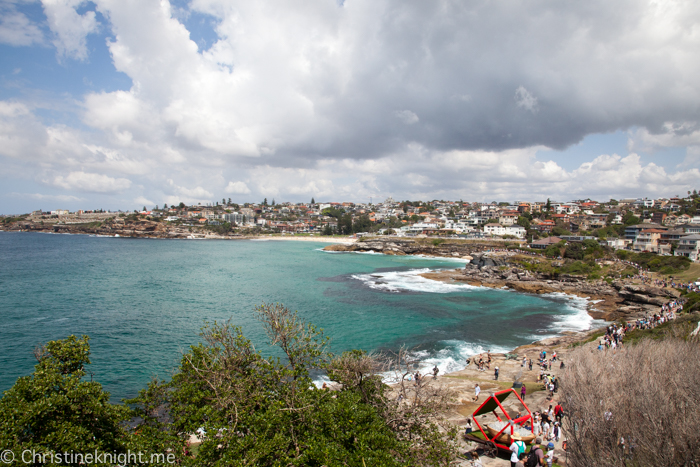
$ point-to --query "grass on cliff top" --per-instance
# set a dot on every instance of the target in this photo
(690, 274)
(593, 337)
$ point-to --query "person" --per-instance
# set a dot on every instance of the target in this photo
(522, 392)
(530, 365)
(521, 460)
(516, 447)
(468, 427)
(550, 455)
(495, 373)
(561, 365)
(538, 452)
(476, 462)
(522, 365)
(558, 411)
(477, 390)
(436, 370)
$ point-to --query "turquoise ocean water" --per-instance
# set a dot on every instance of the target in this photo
(143, 301)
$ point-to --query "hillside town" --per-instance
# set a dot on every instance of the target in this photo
(666, 226)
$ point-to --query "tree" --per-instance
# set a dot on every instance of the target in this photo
(267, 411)
(524, 222)
(327, 230)
(630, 219)
(182, 205)
(273, 201)
(548, 206)
(54, 410)
(313, 201)
(144, 209)
(265, 202)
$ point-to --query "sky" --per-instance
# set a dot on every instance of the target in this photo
(120, 104)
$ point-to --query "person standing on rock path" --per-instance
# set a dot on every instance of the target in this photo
(522, 392)
(477, 390)
(495, 373)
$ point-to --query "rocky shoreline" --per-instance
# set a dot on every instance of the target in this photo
(486, 266)
(144, 228)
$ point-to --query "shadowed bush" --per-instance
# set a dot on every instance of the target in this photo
(638, 406)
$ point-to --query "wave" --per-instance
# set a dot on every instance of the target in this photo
(578, 320)
(408, 281)
(449, 358)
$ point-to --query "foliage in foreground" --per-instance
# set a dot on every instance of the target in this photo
(255, 410)
(54, 410)
(637, 406)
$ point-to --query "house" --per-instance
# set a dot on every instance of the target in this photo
(543, 226)
(543, 243)
(617, 243)
(648, 240)
(689, 246)
(691, 228)
(631, 231)
(658, 217)
(500, 230)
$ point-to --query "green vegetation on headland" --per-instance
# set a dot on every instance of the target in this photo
(255, 410)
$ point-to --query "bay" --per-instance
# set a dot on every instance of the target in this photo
(143, 301)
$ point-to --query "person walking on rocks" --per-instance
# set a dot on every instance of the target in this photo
(477, 390)
(522, 392)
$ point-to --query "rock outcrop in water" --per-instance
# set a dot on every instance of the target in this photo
(608, 301)
(420, 246)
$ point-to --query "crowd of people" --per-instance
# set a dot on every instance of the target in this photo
(482, 364)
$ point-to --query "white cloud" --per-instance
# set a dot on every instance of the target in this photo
(91, 182)
(44, 197)
(525, 99)
(143, 201)
(70, 29)
(239, 188)
(370, 98)
(406, 116)
(16, 29)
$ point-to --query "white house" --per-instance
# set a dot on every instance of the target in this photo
(500, 230)
(689, 246)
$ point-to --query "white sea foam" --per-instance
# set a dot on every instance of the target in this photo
(577, 320)
(411, 281)
(451, 357)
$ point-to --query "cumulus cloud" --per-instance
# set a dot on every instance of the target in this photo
(372, 97)
(70, 29)
(16, 29)
(91, 182)
(525, 99)
(45, 197)
(238, 188)
(406, 116)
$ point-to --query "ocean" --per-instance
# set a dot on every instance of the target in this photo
(143, 302)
